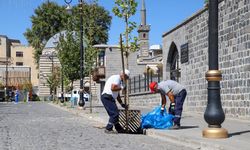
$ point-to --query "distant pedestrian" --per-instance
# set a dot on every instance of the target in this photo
(13, 96)
(30, 95)
(10, 94)
(17, 96)
(73, 101)
(111, 92)
(176, 94)
(27, 96)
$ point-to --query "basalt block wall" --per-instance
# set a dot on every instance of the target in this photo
(234, 60)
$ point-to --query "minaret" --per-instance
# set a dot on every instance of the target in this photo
(143, 14)
(143, 31)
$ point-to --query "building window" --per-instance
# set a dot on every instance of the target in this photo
(19, 54)
(19, 63)
(101, 58)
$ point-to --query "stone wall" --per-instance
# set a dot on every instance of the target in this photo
(234, 60)
(45, 69)
(113, 65)
(113, 62)
(234, 57)
(145, 99)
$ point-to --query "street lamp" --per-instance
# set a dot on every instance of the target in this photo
(62, 92)
(7, 61)
(6, 83)
(214, 114)
(80, 5)
(51, 56)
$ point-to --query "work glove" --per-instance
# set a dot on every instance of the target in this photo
(124, 106)
(172, 107)
(162, 111)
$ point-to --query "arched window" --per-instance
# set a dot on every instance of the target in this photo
(173, 62)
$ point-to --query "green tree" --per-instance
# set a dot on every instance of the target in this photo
(48, 19)
(125, 9)
(96, 31)
(53, 80)
(1, 85)
(96, 23)
(206, 3)
(27, 87)
(66, 83)
(68, 54)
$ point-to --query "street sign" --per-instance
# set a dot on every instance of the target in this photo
(184, 53)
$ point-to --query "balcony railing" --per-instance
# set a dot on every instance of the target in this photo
(98, 73)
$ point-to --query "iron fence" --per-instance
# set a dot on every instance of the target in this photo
(140, 83)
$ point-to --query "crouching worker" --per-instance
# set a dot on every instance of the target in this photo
(111, 92)
(176, 94)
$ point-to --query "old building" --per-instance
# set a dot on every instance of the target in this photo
(185, 59)
(139, 62)
(150, 56)
(188, 43)
(48, 63)
(110, 60)
(23, 56)
(20, 66)
(143, 31)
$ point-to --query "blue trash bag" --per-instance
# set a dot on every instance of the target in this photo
(155, 119)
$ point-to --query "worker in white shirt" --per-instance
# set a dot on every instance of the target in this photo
(111, 92)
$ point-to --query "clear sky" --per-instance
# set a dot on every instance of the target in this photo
(162, 15)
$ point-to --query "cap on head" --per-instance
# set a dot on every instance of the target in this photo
(127, 72)
(152, 86)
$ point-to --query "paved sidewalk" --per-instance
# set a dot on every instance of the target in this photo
(189, 135)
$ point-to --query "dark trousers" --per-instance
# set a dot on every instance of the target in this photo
(113, 112)
(179, 100)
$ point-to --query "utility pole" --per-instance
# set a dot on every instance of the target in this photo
(6, 78)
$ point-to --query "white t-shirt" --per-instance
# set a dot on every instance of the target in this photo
(114, 79)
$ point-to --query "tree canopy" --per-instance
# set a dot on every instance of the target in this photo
(125, 9)
(68, 55)
(50, 18)
(47, 20)
(96, 23)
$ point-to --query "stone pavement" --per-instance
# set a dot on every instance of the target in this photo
(190, 135)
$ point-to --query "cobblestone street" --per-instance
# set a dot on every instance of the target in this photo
(39, 126)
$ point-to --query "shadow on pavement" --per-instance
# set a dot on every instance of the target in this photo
(238, 133)
(189, 127)
(94, 106)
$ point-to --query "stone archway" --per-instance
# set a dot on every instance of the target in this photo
(173, 62)
(48, 61)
